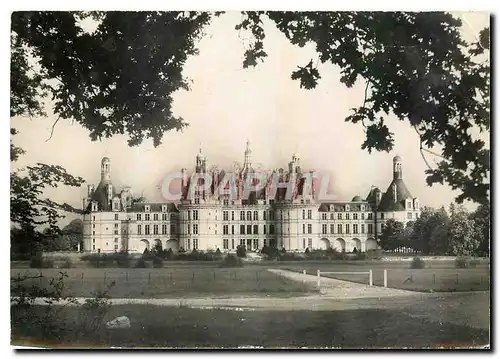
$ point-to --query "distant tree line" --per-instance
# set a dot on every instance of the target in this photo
(440, 232)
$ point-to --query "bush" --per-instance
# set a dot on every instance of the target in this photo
(361, 256)
(157, 262)
(141, 263)
(417, 263)
(373, 254)
(169, 254)
(67, 263)
(231, 261)
(307, 251)
(462, 262)
(122, 259)
(241, 251)
(37, 261)
(290, 257)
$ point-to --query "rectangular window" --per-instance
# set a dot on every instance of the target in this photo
(116, 225)
(195, 228)
(362, 216)
(232, 243)
(242, 229)
(303, 228)
(188, 243)
(409, 215)
(116, 232)
(339, 228)
(225, 215)
(347, 228)
(347, 216)
(323, 216)
(370, 228)
(195, 243)
(362, 228)
(93, 225)
(93, 247)
(232, 215)
(139, 217)
(146, 229)
(225, 243)
(309, 214)
(242, 215)
(309, 242)
(155, 229)
(331, 216)
(271, 215)
(163, 216)
(232, 229)
(309, 228)
(264, 228)
(163, 229)
(147, 216)
(226, 202)
(303, 214)
(354, 216)
(339, 215)
(155, 217)
(381, 216)
(139, 229)
(93, 240)
(196, 201)
(370, 215)
(189, 215)
(264, 214)
(195, 216)
(271, 229)
(332, 228)
(249, 228)
(116, 240)
(255, 215)
(225, 229)
(173, 229)
(116, 216)
(249, 215)
(255, 229)
(323, 228)
(355, 228)
(93, 218)
(303, 243)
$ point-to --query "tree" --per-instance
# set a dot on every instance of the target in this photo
(391, 235)
(120, 78)
(430, 231)
(73, 234)
(464, 239)
(241, 251)
(482, 225)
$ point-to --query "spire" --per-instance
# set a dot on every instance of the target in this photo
(397, 170)
(248, 156)
(105, 169)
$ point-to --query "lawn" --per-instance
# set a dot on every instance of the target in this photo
(437, 276)
(171, 282)
(153, 326)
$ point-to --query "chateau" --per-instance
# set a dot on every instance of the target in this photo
(208, 218)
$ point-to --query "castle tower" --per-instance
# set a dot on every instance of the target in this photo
(201, 162)
(247, 164)
(105, 170)
(397, 168)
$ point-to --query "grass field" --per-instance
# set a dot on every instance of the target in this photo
(437, 276)
(176, 281)
(153, 326)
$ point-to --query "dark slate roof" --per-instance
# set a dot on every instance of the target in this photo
(154, 207)
(357, 199)
(388, 203)
(100, 197)
(340, 206)
(371, 195)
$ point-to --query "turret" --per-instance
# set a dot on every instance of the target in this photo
(397, 168)
(105, 170)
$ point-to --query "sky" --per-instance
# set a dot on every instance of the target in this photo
(228, 105)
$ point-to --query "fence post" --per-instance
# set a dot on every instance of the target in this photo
(385, 278)
(319, 277)
(371, 277)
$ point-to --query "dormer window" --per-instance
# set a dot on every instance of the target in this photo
(362, 207)
(116, 204)
(164, 208)
(347, 208)
(147, 208)
(332, 208)
(94, 206)
(408, 204)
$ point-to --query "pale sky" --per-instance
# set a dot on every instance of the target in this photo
(228, 105)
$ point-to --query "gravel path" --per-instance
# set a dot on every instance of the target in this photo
(342, 289)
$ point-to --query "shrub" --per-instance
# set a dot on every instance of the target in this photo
(290, 257)
(373, 254)
(67, 263)
(141, 263)
(241, 251)
(462, 262)
(359, 256)
(354, 250)
(307, 251)
(169, 254)
(417, 263)
(122, 259)
(157, 262)
(37, 261)
(218, 254)
(231, 261)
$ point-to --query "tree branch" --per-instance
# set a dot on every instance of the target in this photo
(52, 130)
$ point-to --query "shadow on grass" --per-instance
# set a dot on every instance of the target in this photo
(154, 326)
